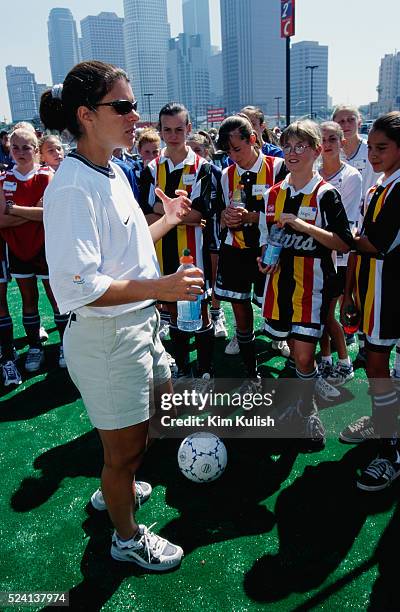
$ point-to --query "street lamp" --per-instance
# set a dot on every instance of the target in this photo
(277, 98)
(312, 68)
(148, 96)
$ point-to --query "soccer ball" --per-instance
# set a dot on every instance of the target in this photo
(202, 457)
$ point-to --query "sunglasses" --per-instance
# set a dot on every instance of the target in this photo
(121, 107)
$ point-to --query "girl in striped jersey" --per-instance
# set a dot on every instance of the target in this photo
(238, 275)
(298, 289)
(370, 285)
(179, 168)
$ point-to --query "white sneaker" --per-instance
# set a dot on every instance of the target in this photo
(340, 374)
(43, 335)
(172, 365)
(61, 358)
(204, 384)
(164, 330)
(220, 330)
(34, 359)
(11, 376)
(281, 346)
(147, 550)
(326, 391)
(142, 491)
(233, 347)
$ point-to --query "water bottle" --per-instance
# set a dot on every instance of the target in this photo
(237, 197)
(274, 246)
(189, 313)
(351, 319)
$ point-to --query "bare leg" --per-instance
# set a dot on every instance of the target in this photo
(123, 453)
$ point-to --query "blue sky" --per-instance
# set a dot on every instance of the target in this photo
(358, 32)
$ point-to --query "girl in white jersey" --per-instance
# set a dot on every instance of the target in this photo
(103, 268)
(347, 180)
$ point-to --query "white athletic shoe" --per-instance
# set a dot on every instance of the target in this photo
(164, 330)
(147, 550)
(142, 491)
(326, 391)
(281, 346)
(340, 374)
(11, 376)
(172, 365)
(34, 359)
(220, 330)
(233, 347)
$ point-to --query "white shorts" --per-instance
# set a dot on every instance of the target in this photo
(115, 363)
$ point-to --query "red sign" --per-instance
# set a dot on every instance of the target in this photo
(287, 18)
(215, 115)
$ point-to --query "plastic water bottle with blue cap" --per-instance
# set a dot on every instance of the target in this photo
(274, 246)
(189, 313)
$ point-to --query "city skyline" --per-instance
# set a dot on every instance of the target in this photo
(355, 48)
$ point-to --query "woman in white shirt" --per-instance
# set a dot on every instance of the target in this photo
(103, 268)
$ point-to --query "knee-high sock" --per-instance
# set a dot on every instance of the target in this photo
(31, 323)
(204, 339)
(61, 321)
(307, 390)
(385, 410)
(180, 347)
(6, 338)
(247, 346)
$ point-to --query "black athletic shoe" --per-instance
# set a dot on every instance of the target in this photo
(381, 472)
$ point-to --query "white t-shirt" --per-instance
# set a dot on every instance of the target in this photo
(95, 233)
(359, 160)
(348, 182)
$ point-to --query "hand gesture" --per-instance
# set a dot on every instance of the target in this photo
(175, 209)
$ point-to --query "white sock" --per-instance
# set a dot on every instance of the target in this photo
(345, 361)
(327, 359)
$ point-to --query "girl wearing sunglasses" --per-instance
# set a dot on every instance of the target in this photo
(103, 268)
(298, 288)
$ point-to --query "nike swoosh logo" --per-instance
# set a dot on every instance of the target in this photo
(126, 222)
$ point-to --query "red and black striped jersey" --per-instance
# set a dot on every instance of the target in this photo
(26, 240)
(377, 274)
(264, 173)
(297, 291)
(194, 175)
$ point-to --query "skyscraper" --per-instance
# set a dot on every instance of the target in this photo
(64, 49)
(146, 35)
(196, 21)
(253, 54)
(187, 72)
(103, 38)
(303, 54)
(22, 93)
(389, 83)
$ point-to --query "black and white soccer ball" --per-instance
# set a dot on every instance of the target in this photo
(202, 457)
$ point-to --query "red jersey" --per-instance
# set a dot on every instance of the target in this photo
(26, 240)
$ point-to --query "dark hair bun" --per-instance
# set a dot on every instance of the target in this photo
(52, 112)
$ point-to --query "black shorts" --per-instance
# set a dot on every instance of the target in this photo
(238, 275)
(37, 266)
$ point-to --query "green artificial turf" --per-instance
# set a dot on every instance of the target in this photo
(278, 531)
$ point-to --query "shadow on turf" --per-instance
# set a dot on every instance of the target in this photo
(230, 508)
(318, 518)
